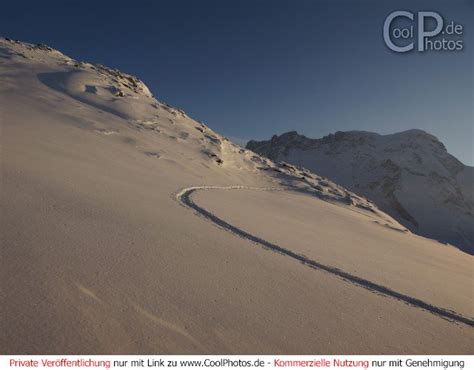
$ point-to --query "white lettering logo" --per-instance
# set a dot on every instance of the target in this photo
(426, 39)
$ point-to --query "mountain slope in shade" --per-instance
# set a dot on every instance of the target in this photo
(101, 255)
(410, 175)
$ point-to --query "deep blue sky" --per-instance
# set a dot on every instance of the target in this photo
(250, 69)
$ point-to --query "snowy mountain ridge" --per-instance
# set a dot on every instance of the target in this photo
(129, 227)
(126, 97)
(410, 175)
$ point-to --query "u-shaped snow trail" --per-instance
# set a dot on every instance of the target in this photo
(184, 197)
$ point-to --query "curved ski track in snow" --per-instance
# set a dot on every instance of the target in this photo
(185, 198)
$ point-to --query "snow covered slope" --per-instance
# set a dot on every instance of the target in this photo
(101, 251)
(410, 175)
(167, 133)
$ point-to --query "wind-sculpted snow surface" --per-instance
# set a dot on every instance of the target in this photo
(97, 257)
(185, 197)
(127, 98)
